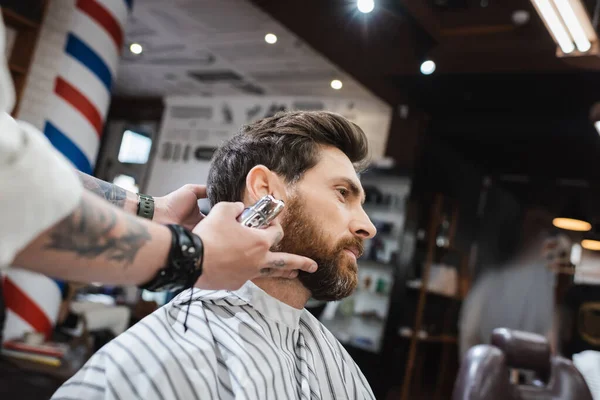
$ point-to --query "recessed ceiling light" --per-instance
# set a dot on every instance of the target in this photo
(336, 84)
(365, 6)
(572, 224)
(428, 67)
(136, 48)
(520, 17)
(271, 38)
(589, 244)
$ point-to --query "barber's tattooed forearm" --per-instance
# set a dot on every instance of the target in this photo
(111, 193)
(90, 233)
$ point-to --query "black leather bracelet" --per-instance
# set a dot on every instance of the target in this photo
(184, 264)
(145, 206)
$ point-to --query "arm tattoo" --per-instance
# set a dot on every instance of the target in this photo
(110, 192)
(88, 232)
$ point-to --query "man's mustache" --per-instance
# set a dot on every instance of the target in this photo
(352, 243)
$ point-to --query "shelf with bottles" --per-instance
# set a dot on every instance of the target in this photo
(385, 193)
(380, 251)
(375, 281)
(359, 320)
(436, 266)
(445, 276)
(359, 329)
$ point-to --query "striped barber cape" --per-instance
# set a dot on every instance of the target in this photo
(239, 345)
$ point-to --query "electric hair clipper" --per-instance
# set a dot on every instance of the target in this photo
(262, 213)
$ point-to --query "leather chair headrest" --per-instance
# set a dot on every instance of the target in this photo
(524, 350)
(484, 372)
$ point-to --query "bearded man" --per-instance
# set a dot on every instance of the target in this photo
(258, 342)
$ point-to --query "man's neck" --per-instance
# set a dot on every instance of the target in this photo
(288, 291)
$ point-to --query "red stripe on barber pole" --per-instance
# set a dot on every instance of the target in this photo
(75, 98)
(104, 18)
(22, 305)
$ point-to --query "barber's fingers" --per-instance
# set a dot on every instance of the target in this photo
(279, 264)
(198, 190)
(271, 234)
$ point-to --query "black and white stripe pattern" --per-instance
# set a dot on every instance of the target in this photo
(239, 345)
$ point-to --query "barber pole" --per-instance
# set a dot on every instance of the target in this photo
(74, 124)
(32, 303)
(82, 88)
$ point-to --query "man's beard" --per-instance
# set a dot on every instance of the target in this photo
(336, 276)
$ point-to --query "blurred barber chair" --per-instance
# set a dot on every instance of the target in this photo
(486, 370)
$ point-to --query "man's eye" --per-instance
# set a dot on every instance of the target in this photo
(343, 192)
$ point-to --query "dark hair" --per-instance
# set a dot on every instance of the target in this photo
(288, 144)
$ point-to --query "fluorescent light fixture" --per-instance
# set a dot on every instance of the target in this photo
(555, 26)
(568, 23)
(571, 224)
(590, 244)
(573, 25)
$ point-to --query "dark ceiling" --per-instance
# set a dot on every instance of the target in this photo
(499, 95)
(534, 124)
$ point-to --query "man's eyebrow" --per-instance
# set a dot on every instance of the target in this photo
(354, 189)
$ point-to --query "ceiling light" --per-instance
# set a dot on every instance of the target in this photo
(589, 244)
(271, 38)
(520, 17)
(568, 23)
(365, 6)
(428, 67)
(336, 84)
(573, 25)
(135, 48)
(571, 224)
(554, 25)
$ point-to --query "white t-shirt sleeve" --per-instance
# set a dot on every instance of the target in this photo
(38, 186)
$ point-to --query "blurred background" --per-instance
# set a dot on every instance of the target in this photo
(483, 118)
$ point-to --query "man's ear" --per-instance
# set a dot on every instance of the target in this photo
(260, 182)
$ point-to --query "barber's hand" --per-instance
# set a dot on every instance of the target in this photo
(180, 207)
(234, 254)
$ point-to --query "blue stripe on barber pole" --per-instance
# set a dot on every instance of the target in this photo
(88, 57)
(67, 147)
